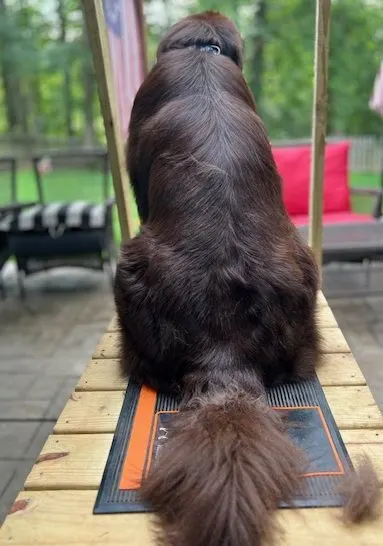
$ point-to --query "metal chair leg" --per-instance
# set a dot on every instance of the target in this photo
(2, 288)
(21, 286)
(368, 274)
(108, 268)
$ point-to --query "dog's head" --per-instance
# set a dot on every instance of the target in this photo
(210, 31)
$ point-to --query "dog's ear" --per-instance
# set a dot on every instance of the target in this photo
(205, 28)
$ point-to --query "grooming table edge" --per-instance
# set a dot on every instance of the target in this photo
(56, 505)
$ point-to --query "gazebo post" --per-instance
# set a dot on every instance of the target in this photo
(98, 39)
(319, 124)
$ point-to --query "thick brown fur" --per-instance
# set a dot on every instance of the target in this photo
(216, 296)
(221, 474)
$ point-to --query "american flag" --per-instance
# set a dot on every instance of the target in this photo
(126, 45)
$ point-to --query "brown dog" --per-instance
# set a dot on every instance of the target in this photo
(216, 296)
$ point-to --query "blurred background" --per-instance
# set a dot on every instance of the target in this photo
(49, 107)
(48, 93)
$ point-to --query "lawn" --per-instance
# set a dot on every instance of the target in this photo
(86, 184)
(360, 180)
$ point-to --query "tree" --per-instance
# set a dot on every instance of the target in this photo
(48, 88)
(89, 91)
(10, 81)
(67, 88)
(257, 59)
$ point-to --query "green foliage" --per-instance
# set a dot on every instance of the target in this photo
(36, 57)
(47, 91)
(283, 90)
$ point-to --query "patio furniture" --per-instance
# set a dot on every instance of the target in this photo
(347, 235)
(61, 232)
(8, 204)
(351, 242)
(56, 505)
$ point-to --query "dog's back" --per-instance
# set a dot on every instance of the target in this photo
(223, 261)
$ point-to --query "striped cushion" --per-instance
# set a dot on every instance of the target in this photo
(76, 214)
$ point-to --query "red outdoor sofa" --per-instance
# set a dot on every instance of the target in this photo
(348, 235)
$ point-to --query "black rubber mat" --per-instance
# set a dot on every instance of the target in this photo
(142, 428)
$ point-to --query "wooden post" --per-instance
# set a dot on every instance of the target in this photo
(98, 40)
(319, 123)
(141, 17)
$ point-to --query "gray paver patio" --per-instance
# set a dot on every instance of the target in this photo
(45, 345)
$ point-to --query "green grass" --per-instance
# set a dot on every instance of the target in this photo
(364, 180)
(63, 185)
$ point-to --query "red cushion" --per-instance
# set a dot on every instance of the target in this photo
(294, 167)
(334, 218)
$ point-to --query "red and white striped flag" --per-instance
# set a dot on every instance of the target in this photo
(126, 44)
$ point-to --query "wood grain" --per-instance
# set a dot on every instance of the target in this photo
(84, 463)
(113, 325)
(362, 436)
(326, 318)
(353, 407)
(339, 369)
(333, 341)
(102, 375)
(334, 369)
(88, 412)
(81, 468)
(321, 300)
(64, 518)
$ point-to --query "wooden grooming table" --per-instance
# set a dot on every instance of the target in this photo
(56, 505)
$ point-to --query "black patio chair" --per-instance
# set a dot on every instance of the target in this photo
(59, 232)
(8, 204)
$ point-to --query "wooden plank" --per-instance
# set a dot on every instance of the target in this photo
(325, 319)
(90, 412)
(333, 341)
(334, 369)
(70, 462)
(102, 375)
(108, 346)
(319, 123)
(362, 436)
(321, 300)
(353, 407)
(63, 518)
(113, 325)
(339, 369)
(77, 461)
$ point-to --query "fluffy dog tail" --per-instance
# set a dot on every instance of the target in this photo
(226, 466)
